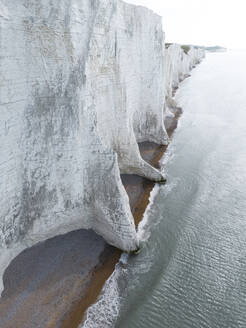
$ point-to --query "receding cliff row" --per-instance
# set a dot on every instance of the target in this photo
(81, 83)
(179, 61)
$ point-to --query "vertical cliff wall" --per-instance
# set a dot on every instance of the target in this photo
(81, 82)
(179, 61)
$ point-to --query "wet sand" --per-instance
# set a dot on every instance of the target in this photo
(44, 283)
(53, 283)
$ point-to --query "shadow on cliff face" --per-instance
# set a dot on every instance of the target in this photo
(52, 275)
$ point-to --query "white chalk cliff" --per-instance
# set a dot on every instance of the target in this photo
(81, 83)
(178, 64)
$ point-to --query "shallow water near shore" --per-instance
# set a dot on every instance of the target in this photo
(191, 271)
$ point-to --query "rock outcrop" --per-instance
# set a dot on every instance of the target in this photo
(82, 82)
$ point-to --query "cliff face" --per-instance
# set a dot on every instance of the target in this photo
(178, 64)
(81, 83)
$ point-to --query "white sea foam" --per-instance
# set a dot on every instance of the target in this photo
(143, 233)
(105, 311)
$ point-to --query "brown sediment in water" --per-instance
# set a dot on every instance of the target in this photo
(60, 278)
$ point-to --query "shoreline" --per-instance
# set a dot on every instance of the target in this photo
(138, 190)
(59, 279)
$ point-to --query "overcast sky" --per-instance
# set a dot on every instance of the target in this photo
(202, 22)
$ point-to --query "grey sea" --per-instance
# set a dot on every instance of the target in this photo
(191, 272)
